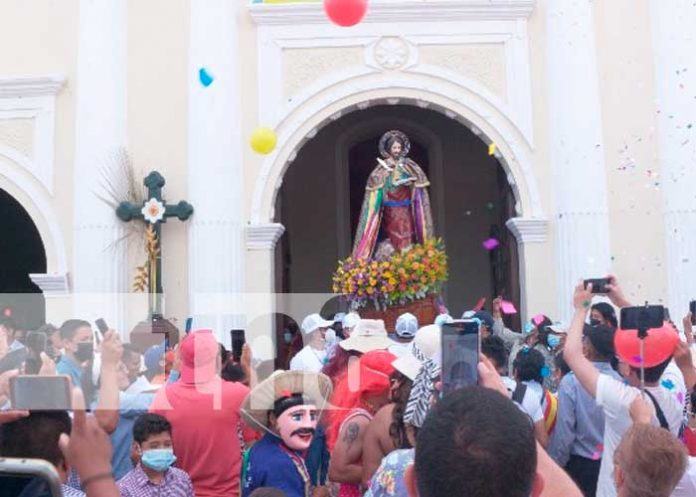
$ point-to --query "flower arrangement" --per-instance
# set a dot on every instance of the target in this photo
(410, 275)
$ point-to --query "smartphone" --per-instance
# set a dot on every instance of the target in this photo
(599, 285)
(40, 393)
(189, 325)
(642, 317)
(238, 340)
(692, 310)
(102, 326)
(461, 345)
(35, 344)
(29, 477)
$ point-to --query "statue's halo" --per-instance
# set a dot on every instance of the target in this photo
(394, 134)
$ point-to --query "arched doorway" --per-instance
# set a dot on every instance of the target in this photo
(22, 253)
(319, 202)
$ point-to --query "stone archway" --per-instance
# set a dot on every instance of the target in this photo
(488, 121)
(23, 254)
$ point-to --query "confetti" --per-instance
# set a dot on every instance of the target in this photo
(668, 384)
(680, 397)
(538, 319)
(491, 149)
(507, 307)
(205, 77)
(490, 244)
(637, 359)
(528, 327)
(490, 206)
(545, 372)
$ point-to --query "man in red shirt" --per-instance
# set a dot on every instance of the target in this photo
(204, 413)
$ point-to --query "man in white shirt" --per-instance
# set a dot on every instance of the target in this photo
(615, 397)
(313, 356)
(405, 329)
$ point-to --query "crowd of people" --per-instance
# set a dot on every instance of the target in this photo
(361, 412)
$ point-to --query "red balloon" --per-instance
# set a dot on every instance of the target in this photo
(345, 12)
(659, 346)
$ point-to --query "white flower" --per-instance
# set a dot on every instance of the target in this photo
(153, 211)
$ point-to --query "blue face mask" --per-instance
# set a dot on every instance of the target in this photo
(553, 341)
(158, 459)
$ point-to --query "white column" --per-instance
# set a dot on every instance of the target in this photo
(215, 173)
(674, 52)
(99, 261)
(577, 155)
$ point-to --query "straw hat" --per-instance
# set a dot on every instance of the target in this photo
(368, 334)
(315, 386)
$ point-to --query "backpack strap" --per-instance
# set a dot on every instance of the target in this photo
(658, 412)
(518, 394)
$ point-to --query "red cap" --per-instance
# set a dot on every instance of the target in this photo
(199, 351)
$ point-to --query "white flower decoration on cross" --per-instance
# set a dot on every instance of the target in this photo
(153, 211)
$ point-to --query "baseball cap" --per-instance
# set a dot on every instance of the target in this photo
(350, 320)
(406, 325)
(314, 322)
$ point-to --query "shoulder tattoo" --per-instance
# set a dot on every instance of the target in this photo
(351, 433)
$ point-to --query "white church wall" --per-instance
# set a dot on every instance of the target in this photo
(158, 42)
(634, 165)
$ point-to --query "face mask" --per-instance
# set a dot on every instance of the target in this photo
(158, 459)
(553, 341)
(594, 322)
(85, 351)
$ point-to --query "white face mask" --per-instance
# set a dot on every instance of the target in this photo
(330, 336)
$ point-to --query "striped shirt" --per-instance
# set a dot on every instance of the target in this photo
(176, 483)
(71, 492)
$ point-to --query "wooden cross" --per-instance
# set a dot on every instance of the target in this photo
(154, 211)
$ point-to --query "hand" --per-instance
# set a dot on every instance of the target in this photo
(582, 297)
(489, 377)
(11, 416)
(641, 410)
(88, 448)
(615, 293)
(682, 356)
(688, 328)
(496, 307)
(111, 349)
(245, 359)
(176, 364)
(5, 381)
(48, 365)
(4, 346)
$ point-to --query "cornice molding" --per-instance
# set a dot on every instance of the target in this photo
(398, 11)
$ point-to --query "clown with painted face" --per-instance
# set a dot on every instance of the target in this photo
(286, 406)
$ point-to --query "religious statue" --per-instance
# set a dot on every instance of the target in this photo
(396, 208)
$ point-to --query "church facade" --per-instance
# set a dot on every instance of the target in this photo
(583, 111)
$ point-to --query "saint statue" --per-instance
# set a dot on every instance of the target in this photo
(396, 209)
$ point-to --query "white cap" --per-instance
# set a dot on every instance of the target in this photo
(406, 325)
(368, 335)
(314, 322)
(427, 340)
(338, 317)
(350, 320)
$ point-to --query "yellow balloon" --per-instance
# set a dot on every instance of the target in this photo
(263, 140)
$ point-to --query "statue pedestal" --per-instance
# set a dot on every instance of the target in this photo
(425, 311)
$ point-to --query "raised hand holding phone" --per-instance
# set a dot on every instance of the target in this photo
(111, 348)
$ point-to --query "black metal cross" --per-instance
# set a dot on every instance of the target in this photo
(155, 211)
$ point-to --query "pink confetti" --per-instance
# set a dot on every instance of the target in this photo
(490, 244)
(637, 359)
(680, 397)
(507, 307)
(538, 319)
(596, 456)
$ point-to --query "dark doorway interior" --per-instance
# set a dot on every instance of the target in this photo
(22, 252)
